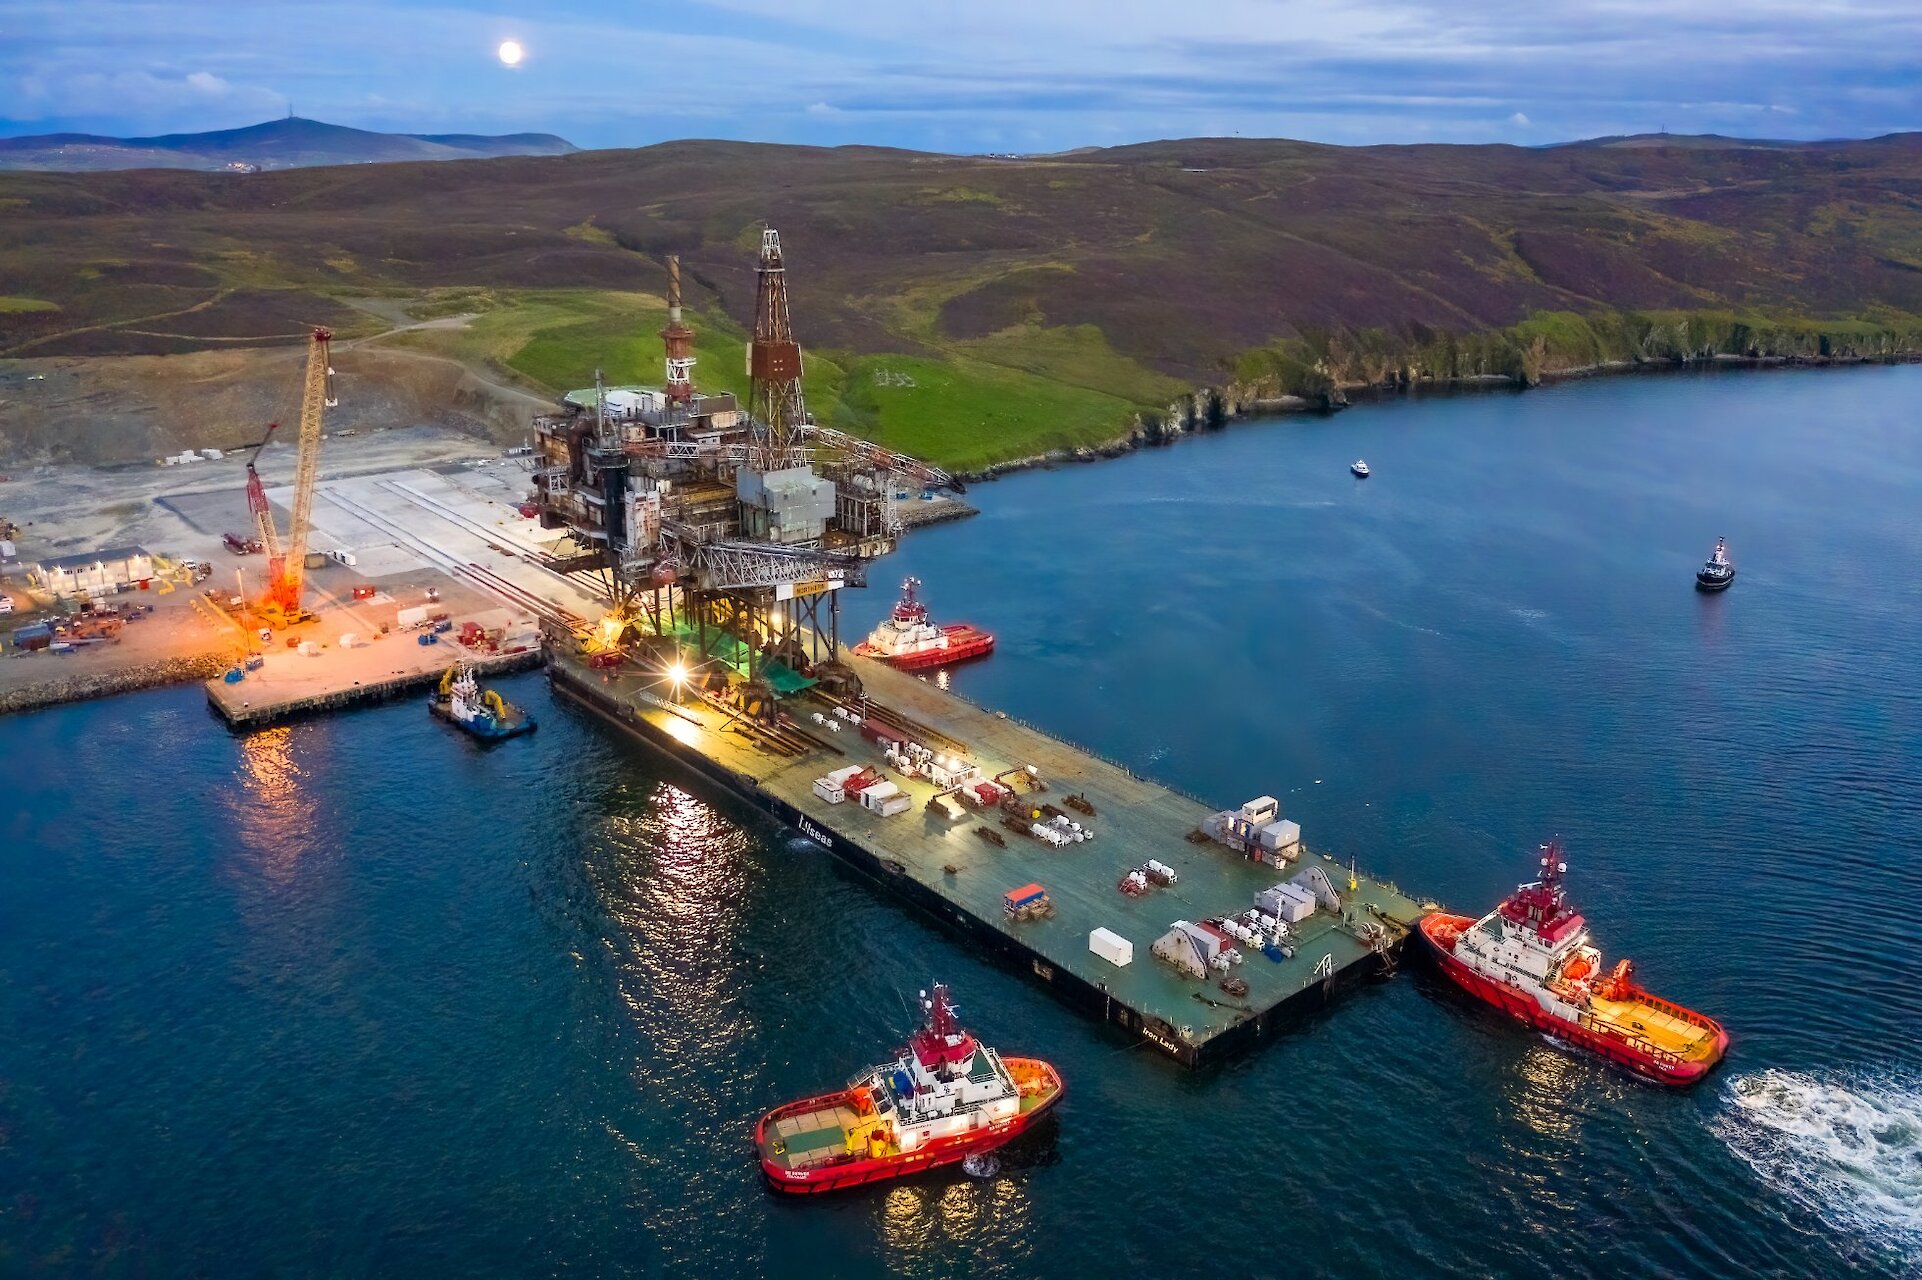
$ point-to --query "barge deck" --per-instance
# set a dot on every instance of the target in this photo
(944, 869)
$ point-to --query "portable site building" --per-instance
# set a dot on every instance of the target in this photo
(95, 572)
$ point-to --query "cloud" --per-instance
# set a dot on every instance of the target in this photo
(1055, 75)
(139, 94)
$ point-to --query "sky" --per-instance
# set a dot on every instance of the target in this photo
(973, 75)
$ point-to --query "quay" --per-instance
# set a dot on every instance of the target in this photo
(290, 685)
(959, 878)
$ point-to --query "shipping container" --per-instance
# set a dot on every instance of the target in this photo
(1112, 947)
(893, 805)
(881, 734)
(879, 794)
(829, 789)
(416, 616)
(1015, 899)
(1280, 835)
(1261, 811)
(1288, 903)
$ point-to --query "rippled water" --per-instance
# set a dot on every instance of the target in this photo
(356, 995)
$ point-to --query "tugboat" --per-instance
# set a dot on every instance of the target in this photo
(908, 641)
(484, 713)
(1360, 469)
(1531, 957)
(944, 1098)
(1717, 573)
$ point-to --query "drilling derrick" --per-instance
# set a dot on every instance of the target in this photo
(774, 364)
(678, 339)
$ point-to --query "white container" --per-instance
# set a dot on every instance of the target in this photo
(1112, 947)
(416, 616)
(350, 640)
(829, 790)
(308, 649)
(1277, 836)
(879, 794)
(1261, 811)
(893, 805)
(838, 776)
(1293, 904)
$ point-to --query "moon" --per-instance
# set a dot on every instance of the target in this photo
(511, 53)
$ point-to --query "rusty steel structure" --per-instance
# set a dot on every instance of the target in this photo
(722, 537)
(678, 340)
(775, 402)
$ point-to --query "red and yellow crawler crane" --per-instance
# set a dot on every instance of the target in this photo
(287, 562)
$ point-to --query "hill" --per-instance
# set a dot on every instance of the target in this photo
(276, 144)
(985, 308)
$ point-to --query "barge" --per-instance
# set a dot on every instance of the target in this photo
(928, 854)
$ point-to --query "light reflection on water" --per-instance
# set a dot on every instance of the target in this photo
(924, 1225)
(673, 876)
(275, 812)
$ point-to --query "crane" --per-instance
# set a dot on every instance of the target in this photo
(287, 562)
(263, 513)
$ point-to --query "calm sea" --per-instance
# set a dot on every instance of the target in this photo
(355, 995)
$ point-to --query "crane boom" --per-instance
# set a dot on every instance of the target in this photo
(316, 396)
(263, 512)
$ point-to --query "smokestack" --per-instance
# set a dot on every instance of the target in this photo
(673, 288)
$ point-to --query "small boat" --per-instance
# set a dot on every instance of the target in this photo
(1718, 572)
(908, 641)
(1360, 469)
(943, 1098)
(482, 712)
(1530, 957)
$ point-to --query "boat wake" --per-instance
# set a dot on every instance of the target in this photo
(1853, 1154)
(981, 1164)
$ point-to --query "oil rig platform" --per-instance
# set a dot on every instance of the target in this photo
(722, 536)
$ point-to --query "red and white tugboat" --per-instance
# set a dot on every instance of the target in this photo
(1531, 957)
(944, 1098)
(909, 641)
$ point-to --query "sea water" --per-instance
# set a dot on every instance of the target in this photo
(357, 994)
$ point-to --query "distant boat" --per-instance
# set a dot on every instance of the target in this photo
(1717, 573)
(1360, 469)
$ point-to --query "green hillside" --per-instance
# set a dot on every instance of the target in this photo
(975, 309)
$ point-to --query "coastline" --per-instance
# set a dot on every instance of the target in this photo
(1188, 415)
(86, 686)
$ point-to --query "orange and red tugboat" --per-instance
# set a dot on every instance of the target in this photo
(944, 1098)
(1531, 957)
(909, 641)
